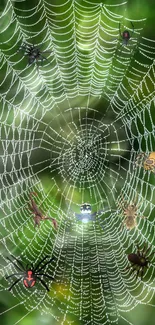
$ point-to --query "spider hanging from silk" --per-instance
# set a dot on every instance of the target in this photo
(30, 274)
(139, 260)
(33, 53)
(126, 36)
(86, 214)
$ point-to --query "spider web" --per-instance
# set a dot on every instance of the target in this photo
(70, 132)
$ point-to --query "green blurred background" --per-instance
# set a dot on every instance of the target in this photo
(134, 10)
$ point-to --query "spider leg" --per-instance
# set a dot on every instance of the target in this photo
(136, 164)
(102, 226)
(138, 251)
(42, 58)
(139, 156)
(120, 30)
(30, 207)
(136, 200)
(16, 264)
(9, 276)
(120, 46)
(147, 249)
(47, 218)
(15, 283)
(99, 212)
(142, 273)
(22, 47)
(79, 217)
(150, 254)
(137, 273)
(43, 283)
(48, 276)
(19, 262)
(143, 250)
(142, 217)
(45, 264)
(133, 29)
(134, 269)
(40, 263)
(128, 267)
(36, 222)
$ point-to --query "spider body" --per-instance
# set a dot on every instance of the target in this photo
(30, 274)
(33, 53)
(85, 208)
(130, 214)
(139, 260)
(38, 215)
(29, 279)
(146, 160)
(125, 36)
(86, 214)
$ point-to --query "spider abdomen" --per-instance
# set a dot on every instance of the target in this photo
(29, 280)
(126, 34)
(149, 161)
(135, 259)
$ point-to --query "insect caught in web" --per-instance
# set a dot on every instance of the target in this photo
(38, 215)
(130, 213)
(147, 161)
(33, 53)
(125, 35)
(139, 260)
(30, 274)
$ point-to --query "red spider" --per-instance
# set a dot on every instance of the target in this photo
(29, 274)
(125, 36)
(38, 215)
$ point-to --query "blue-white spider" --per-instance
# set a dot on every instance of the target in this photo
(86, 214)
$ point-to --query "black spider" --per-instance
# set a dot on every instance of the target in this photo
(34, 54)
(140, 260)
(30, 274)
(125, 36)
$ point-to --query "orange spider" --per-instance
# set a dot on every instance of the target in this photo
(146, 160)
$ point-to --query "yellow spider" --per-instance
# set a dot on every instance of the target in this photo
(146, 160)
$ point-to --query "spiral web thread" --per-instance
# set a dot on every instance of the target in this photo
(50, 124)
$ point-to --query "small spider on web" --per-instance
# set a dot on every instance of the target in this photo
(34, 54)
(38, 215)
(86, 214)
(130, 213)
(126, 35)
